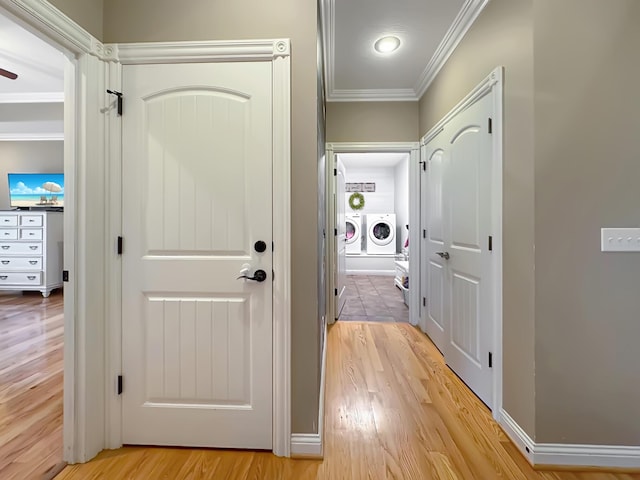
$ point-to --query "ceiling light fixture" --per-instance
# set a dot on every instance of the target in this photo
(387, 44)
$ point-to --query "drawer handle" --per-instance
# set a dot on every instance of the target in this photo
(6, 247)
(31, 233)
(6, 262)
(7, 233)
(6, 220)
(3, 277)
(32, 262)
(33, 247)
(31, 277)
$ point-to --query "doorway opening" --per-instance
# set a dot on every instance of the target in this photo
(371, 205)
(32, 202)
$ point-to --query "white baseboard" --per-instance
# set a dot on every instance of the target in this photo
(517, 435)
(310, 445)
(574, 455)
(306, 445)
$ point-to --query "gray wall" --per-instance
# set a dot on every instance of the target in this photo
(28, 157)
(169, 20)
(372, 122)
(503, 35)
(86, 13)
(587, 168)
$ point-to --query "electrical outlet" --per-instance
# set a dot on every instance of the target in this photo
(620, 239)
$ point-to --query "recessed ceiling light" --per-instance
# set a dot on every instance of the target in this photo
(387, 44)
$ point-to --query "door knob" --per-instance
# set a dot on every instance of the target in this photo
(258, 276)
(444, 255)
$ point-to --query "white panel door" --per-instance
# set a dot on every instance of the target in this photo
(468, 227)
(435, 312)
(341, 237)
(197, 176)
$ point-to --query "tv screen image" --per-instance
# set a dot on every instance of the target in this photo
(39, 190)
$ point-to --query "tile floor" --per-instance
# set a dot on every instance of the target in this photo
(373, 299)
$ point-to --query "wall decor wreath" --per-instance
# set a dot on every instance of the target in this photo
(356, 201)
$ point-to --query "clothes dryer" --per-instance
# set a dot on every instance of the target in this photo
(381, 233)
(353, 236)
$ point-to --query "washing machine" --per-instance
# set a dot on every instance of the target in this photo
(353, 235)
(381, 233)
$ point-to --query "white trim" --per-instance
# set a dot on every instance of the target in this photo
(306, 445)
(570, 455)
(31, 137)
(493, 81)
(517, 435)
(374, 95)
(467, 15)
(32, 97)
(277, 52)
(282, 251)
(381, 273)
(459, 28)
(607, 456)
(186, 52)
(413, 148)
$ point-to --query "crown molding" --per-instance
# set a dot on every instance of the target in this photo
(459, 28)
(461, 24)
(31, 137)
(374, 95)
(32, 97)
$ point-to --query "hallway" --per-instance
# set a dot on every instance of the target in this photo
(373, 298)
(393, 410)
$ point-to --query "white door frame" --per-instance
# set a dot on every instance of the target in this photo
(413, 149)
(276, 52)
(84, 230)
(493, 82)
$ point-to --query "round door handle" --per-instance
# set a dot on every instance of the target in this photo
(444, 255)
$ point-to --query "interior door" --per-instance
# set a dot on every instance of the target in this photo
(468, 227)
(341, 237)
(197, 201)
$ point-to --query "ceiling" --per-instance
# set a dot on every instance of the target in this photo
(39, 66)
(428, 29)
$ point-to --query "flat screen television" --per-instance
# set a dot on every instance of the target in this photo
(36, 190)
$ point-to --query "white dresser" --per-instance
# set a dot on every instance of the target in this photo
(31, 250)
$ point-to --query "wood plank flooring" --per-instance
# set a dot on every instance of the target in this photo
(393, 411)
(31, 341)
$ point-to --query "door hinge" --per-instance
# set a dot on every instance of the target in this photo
(335, 172)
(490, 243)
(490, 125)
(273, 247)
(424, 301)
(424, 165)
(424, 233)
(273, 275)
(65, 275)
(119, 104)
(335, 292)
(335, 232)
(490, 360)
(119, 386)
(119, 246)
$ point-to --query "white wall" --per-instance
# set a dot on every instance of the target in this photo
(380, 201)
(402, 202)
(27, 157)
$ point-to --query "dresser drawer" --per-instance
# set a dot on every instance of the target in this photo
(8, 220)
(20, 263)
(31, 221)
(8, 233)
(19, 278)
(16, 248)
(30, 234)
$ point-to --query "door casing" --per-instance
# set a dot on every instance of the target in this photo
(492, 83)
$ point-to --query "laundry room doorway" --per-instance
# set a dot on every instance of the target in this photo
(370, 210)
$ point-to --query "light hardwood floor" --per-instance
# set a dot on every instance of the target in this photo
(31, 339)
(393, 411)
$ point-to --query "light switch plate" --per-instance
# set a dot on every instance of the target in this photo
(620, 239)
